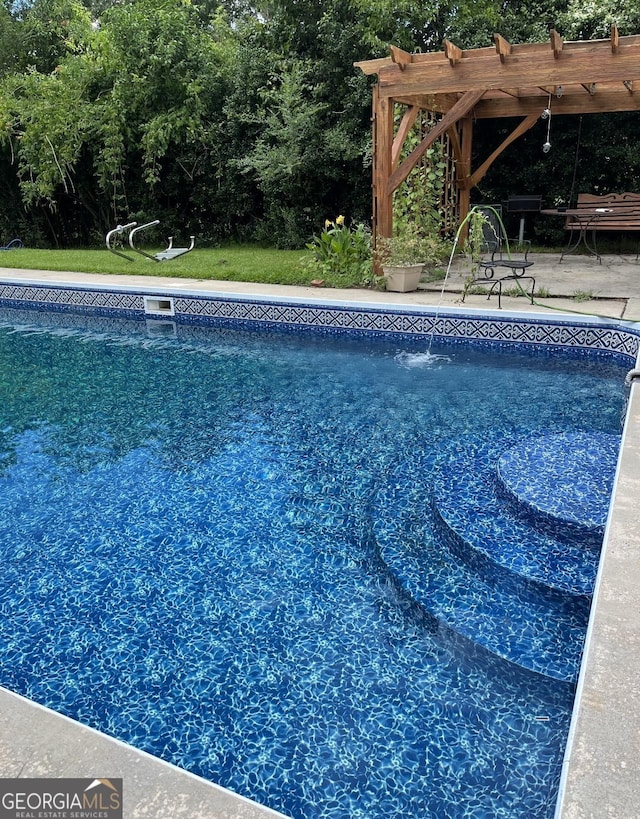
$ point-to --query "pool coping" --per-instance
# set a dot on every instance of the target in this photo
(38, 743)
(601, 760)
(603, 744)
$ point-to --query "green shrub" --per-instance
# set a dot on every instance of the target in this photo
(343, 251)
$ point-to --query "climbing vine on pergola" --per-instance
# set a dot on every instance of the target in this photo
(505, 80)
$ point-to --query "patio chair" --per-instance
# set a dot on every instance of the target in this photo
(505, 255)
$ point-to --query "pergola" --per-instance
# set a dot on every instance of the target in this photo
(506, 80)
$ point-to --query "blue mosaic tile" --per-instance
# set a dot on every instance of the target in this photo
(577, 335)
(543, 633)
(564, 480)
(486, 532)
(492, 575)
(192, 532)
(70, 297)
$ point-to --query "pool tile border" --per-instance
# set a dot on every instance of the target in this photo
(452, 324)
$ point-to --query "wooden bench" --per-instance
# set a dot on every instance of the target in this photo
(615, 212)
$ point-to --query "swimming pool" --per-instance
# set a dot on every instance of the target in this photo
(196, 531)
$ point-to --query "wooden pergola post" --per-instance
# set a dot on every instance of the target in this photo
(464, 171)
(382, 164)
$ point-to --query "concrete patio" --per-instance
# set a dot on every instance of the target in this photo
(577, 284)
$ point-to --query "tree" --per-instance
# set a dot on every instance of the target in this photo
(590, 20)
(245, 120)
(124, 122)
(52, 30)
(11, 42)
(300, 114)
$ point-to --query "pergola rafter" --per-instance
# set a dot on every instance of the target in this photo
(506, 80)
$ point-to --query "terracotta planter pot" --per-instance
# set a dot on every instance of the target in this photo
(403, 279)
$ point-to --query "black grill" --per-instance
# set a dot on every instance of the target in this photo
(524, 204)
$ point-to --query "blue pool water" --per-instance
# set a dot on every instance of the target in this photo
(235, 552)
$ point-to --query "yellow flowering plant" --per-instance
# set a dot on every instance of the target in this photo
(342, 250)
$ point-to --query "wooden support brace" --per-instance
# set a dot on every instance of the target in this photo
(451, 52)
(410, 116)
(462, 107)
(556, 42)
(503, 47)
(522, 128)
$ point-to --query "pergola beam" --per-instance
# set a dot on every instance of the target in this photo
(622, 99)
(464, 169)
(383, 111)
(556, 43)
(503, 47)
(401, 58)
(615, 39)
(575, 67)
(452, 52)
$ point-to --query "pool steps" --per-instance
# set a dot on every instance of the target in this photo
(562, 482)
(487, 572)
(480, 525)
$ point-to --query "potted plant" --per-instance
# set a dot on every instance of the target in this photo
(404, 257)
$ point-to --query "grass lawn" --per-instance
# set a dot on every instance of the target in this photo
(241, 263)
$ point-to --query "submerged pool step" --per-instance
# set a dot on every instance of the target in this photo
(492, 535)
(543, 632)
(563, 482)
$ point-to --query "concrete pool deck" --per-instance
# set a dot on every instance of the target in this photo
(600, 777)
(579, 284)
(37, 743)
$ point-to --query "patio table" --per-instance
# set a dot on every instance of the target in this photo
(582, 221)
